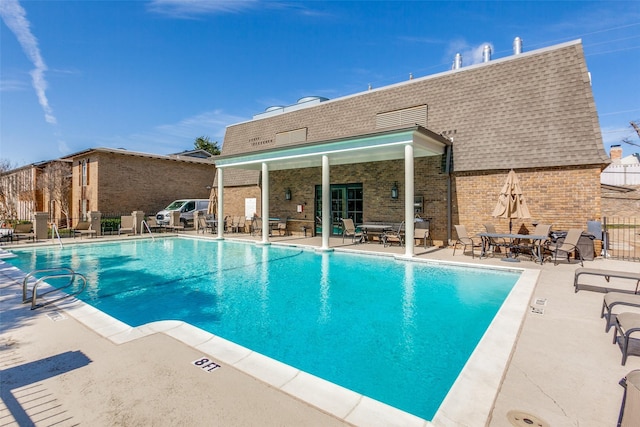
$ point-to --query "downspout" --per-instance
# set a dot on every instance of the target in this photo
(447, 169)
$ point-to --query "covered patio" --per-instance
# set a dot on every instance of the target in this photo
(404, 143)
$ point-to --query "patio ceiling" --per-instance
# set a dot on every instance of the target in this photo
(374, 147)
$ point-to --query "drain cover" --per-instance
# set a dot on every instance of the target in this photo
(522, 419)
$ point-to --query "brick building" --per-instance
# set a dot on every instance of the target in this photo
(445, 142)
(118, 181)
(37, 187)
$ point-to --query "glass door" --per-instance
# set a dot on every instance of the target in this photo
(346, 202)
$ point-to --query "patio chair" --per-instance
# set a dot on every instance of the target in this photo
(349, 230)
(569, 245)
(23, 230)
(256, 226)
(126, 225)
(611, 299)
(465, 240)
(627, 323)
(203, 225)
(495, 244)
(394, 236)
(83, 228)
(422, 231)
(630, 407)
(282, 227)
(241, 227)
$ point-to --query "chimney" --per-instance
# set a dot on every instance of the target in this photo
(486, 53)
(615, 153)
(517, 46)
(457, 62)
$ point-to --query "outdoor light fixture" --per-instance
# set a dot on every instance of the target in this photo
(394, 190)
(287, 194)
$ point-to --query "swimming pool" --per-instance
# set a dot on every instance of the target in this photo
(378, 326)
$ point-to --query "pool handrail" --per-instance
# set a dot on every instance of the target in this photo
(34, 293)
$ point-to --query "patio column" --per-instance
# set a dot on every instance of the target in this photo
(265, 202)
(326, 202)
(220, 203)
(409, 187)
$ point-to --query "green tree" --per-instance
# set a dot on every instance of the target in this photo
(204, 143)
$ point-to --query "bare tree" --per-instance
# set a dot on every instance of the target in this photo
(55, 182)
(636, 127)
(7, 189)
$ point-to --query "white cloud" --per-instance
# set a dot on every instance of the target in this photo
(12, 85)
(15, 17)
(192, 8)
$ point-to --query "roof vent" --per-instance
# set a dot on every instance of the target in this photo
(457, 62)
(273, 108)
(486, 53)
(311, 98)
(517, 46)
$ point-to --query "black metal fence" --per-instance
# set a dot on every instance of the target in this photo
(621, 238)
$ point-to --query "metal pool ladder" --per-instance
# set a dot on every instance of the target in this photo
(52, 273)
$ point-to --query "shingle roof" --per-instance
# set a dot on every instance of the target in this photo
(535, 109)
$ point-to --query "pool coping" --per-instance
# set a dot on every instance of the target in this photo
(471, 397)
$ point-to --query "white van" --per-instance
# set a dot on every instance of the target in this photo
(187, 208)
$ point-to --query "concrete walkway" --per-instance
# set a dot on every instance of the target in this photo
(57, 368)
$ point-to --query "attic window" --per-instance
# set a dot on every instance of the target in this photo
(407, 116)
(291, 137)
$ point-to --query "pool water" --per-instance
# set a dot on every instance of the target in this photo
(396, 331)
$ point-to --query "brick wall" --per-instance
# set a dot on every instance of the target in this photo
(234, 199)
(565, 198)
(122, 183)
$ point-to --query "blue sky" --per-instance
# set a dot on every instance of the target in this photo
(154, 75)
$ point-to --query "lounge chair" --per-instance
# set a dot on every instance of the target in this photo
(349, 230)
(495, 244)
(607, 274)
(23, 230)
(126, 225)
(569, 245)
(626, 324)
(152, 223)
(83, 228)
(630, 408)
(611, 299)
(394, 236)
(465, 240)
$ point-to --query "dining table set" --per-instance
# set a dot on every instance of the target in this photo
(514, 245)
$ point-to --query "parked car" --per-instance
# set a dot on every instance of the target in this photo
(186, 207)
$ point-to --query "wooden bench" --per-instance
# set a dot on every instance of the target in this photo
(607, 274)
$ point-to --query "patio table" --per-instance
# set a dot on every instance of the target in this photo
(375, 229)
(513, 239)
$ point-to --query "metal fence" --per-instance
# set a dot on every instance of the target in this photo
(621, 238)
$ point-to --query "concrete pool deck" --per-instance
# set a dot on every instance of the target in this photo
(59, 368)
